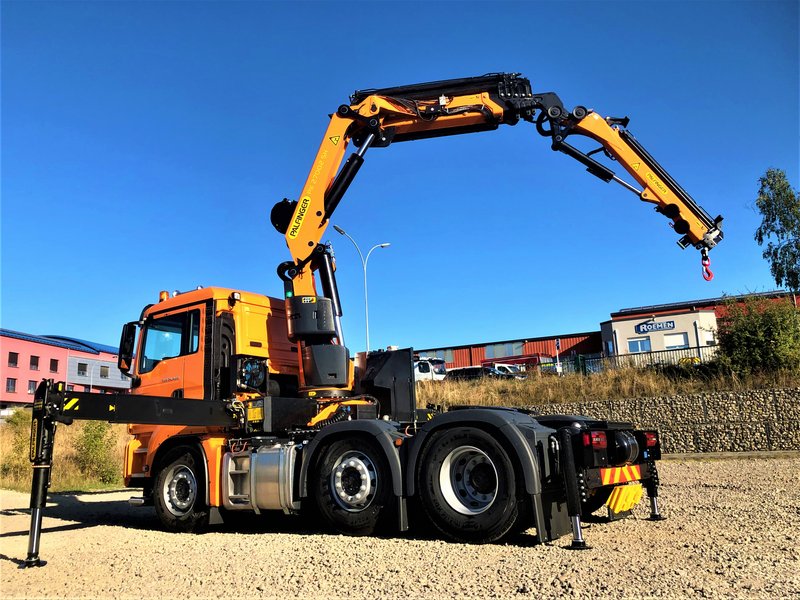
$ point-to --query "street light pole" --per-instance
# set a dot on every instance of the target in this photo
(364, 262)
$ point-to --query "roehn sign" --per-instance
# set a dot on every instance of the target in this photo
(649, 326)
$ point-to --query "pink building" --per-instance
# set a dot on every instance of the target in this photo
(26, 359)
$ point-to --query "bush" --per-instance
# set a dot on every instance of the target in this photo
(94, 452)
(14, 462)
(760, 336)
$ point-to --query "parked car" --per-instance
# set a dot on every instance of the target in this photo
(476, 373)
(513, 370)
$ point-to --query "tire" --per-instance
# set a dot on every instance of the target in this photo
(179, 492)
(352, 487)
(467, 486)
(595, 501)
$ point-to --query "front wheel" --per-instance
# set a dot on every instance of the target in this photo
(352, 486)
(179, 492)
(467, 485)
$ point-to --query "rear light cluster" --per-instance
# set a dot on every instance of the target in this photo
(618, 447)
(596, 439)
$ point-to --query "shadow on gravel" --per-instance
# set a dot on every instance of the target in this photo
(69, 507)
(17, 561)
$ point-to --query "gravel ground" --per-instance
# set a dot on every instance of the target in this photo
(731, 532)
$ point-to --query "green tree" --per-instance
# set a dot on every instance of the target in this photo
(760, 336)
(779, 205)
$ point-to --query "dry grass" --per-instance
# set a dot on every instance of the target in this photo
(15, 467)
(611, 384)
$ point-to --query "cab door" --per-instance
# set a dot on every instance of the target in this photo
(171, 361)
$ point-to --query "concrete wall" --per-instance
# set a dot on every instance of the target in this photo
(712, 422)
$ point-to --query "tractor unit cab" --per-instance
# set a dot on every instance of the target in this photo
(210, 344)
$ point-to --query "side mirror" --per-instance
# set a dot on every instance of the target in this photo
(126, 347)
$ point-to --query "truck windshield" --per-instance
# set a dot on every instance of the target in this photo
(438, 367)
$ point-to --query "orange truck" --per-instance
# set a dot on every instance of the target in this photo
(244, 403)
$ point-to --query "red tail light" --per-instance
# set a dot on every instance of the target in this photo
(650, 438)
(596, 439)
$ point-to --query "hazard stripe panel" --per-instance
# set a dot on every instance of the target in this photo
(620, 474)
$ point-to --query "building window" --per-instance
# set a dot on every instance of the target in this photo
(82, 368)
(86, 388)
(710, 339)
(11, 385)
(505, 349)
(641, 344)
(70, 388)
(13, 359)
(676, 341)
(31, 387)
(34, 363)
(445, 355)
(54, 365)
(103, 372)
(609, 347)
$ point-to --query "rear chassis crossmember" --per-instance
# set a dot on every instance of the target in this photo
(579, 481)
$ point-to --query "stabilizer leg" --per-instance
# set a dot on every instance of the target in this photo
(43, 433)
(652, 493)
(573, 494)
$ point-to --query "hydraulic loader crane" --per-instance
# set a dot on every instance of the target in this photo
(380, 117)
(246, 403)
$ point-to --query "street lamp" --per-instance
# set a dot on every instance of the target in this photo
(364, 262)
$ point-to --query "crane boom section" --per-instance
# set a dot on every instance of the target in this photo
(658, 187)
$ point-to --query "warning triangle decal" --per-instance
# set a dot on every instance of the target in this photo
(335, 140)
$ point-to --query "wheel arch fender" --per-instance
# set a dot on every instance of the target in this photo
(382, 432)
(502, 423)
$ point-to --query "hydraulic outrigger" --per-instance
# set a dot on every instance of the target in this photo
(52, 404)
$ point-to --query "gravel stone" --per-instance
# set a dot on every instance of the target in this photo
(730, 533)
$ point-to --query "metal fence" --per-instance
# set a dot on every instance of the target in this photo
(595, 363)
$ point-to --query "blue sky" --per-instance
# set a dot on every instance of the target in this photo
(144, 144)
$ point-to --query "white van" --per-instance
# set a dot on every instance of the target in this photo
(429, 369)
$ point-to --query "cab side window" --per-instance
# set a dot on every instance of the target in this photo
(170, 337)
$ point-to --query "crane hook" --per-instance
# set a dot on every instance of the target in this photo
(708, 275)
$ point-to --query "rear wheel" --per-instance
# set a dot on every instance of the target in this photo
(352, 488)
(467, 485)
(179, 491)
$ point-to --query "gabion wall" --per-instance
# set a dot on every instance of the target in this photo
(713, 422)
